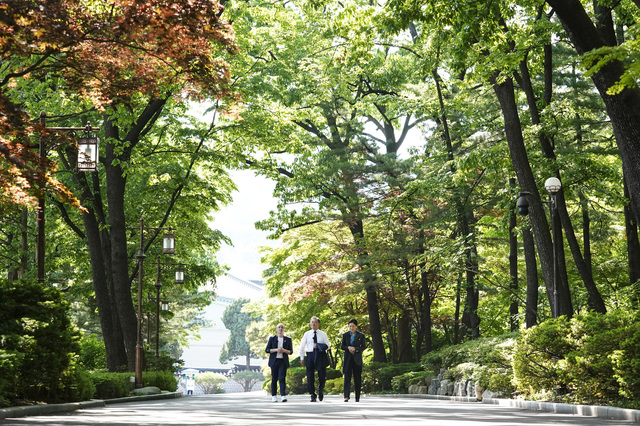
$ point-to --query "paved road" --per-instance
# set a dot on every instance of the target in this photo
(256, 408)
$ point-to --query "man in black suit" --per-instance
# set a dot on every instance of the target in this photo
(279, 347)
(353, 343)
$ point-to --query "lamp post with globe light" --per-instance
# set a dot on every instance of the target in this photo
(553, 186)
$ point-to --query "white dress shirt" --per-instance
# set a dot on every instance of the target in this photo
(306, 344)
(280, 345)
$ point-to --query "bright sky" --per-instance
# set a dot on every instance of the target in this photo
(251, 203)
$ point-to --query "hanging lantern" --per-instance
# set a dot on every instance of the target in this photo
(169, 243)
(180, 274)
(88, 154)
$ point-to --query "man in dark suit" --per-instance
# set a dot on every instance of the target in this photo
(353, 343)
(279, 347)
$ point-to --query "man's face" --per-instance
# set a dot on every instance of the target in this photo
(314, 324)
(352, 328)
(280, 329)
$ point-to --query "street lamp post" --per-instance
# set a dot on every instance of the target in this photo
(179, 279)
(168, 247)
(42, 152)
(553, 186)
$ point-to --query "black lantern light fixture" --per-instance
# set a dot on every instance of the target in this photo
(169, 243)
(88, 149)
(180, 274)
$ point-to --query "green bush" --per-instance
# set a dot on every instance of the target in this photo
(92, 355)
(401, 383)
(211, 382)
(297, 379)
(8, 361)
(112, 385)
(77, 385)
(591, 358)
(626, 363)
(334, 386)
(165, 380)
(163, 362)
(42, 344)
(376, 377)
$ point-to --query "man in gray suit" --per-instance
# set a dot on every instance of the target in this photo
(353, 343)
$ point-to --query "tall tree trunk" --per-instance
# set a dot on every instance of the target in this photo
(116, 182)
(623, 108)
(531, 312)
(520, 161)
(513, 267)
(24, 242)
(425, 290)
(405, 349)
(586, 233)
(470, 316)
(456, 316)
(357, 231)
(111, 331)
(633, 246)
(595, 301)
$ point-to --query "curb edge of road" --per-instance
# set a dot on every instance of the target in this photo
(40, 410)
(600, 411)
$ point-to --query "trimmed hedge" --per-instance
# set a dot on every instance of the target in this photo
(118, 385)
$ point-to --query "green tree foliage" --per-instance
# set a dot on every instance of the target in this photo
(236, 319)
(248, 379)
(38, 346)
(92, 354)
(116, 63)
(210, 382)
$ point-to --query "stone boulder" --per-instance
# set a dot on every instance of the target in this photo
(149, 390)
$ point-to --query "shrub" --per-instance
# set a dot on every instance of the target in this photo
(112, 385)
(210, 382)
(401, 383)
(41, 341)
(163, 362)
(297, 379)
(165, 380)
(334, 386)
(8, 361)
(486, 360)
(92, 353)
(77, 385)
(376, 377)
(591, 358)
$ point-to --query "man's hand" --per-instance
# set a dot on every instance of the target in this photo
(302, 362)
(352, 349)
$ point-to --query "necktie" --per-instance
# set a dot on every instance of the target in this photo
(315, 349)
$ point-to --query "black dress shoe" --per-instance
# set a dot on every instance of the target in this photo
(346, 400)
(313, 398)
(320, 395)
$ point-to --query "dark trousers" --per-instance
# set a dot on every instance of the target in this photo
(311, 368)
(278, 374)
(352, 368)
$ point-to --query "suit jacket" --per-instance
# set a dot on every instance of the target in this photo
(273, 344)
(359, 343)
